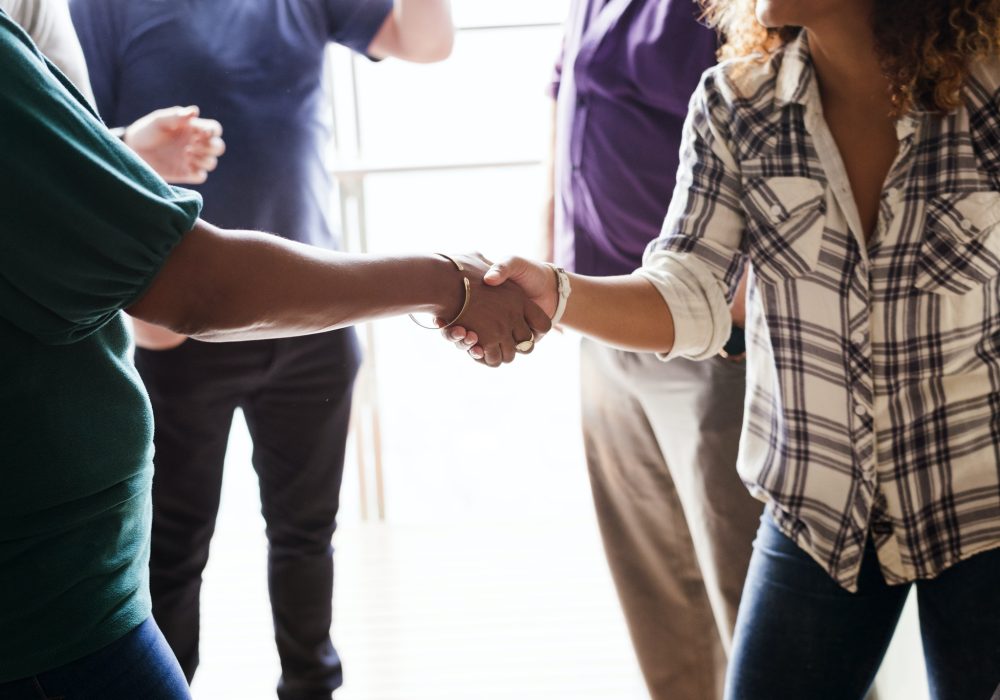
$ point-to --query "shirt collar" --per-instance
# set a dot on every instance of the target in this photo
(795, 74)
(796, 84)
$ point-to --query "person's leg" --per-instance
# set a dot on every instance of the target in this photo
(139, 665)
(960, 626)
(696, 412)
(799, 634)
(299, 423)
(194, 390)
(645, 535)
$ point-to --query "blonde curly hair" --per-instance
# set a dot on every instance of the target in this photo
(926, 47)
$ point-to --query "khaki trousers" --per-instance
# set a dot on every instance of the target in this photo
(677, 523)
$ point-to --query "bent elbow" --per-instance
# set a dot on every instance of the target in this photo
(430, 48)
(442, 48)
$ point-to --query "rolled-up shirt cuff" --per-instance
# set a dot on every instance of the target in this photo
(697, 302)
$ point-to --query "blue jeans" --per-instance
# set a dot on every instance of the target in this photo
(800, 635)
(138, 666)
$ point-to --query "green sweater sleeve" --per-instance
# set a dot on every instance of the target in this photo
(85, 225)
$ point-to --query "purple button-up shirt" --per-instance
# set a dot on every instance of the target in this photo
(623, 83)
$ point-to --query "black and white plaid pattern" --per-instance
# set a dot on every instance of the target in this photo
(874, 370)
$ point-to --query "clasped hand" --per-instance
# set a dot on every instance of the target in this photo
(179, 145)
(511, 302)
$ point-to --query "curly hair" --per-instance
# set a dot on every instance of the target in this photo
(926, 47)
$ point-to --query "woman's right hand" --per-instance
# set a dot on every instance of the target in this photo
(538, 282)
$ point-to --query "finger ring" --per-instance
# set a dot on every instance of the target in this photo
(525, 345)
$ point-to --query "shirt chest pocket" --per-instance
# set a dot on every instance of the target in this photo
(785, 222)
(960, 250)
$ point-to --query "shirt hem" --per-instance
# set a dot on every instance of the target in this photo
(784, 523)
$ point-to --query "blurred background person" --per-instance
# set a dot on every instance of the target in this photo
(256, 66)
(179, 145)
(660, 439)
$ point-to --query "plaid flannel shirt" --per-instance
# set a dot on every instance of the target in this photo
(873, 402)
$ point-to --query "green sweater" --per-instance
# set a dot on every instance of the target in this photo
(84, 228)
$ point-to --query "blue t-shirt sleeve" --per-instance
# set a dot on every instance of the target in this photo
(85, 224)
(97, 24)
(354, 23)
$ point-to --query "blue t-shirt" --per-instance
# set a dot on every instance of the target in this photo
(254, 65)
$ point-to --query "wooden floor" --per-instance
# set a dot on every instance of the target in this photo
(489, 583)
(436, 613)
(451, 613)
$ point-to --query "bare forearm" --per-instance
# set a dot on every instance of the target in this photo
(626, 312)
(239, 285)
(549, 213)
(417, 30)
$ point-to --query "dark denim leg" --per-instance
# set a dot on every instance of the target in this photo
(960, 626)
(299, 422)
(139, 665)
(800, 635)
(194, 390)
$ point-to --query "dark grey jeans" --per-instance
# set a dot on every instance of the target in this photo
(661, 441)
(296, 396)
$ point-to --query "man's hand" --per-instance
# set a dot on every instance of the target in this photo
(536, 280)
(181, 147)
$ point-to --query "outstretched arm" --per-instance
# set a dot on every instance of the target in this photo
(625, 311)
(239, 285)
(678, 302)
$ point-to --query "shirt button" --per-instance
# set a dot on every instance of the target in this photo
(858, 337)
(776, 210)
(966, 224)
(860, 411)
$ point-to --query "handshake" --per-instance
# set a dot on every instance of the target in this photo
(508, 307)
